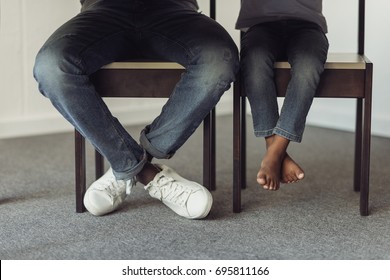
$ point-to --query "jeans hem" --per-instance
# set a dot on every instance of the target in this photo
(264, 133)
(287, 135)
(132, 173)
(150, 149)
(280, 132)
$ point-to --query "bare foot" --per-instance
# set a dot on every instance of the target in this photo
(270, 171)
(277, 166)
(291, 171)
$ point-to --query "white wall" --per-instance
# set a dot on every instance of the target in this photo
(342, 22)
(25, 25)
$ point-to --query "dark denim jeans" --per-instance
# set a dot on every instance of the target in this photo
(115, 30)
(305, 46)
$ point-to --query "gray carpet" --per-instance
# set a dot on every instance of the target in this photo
(315, 219)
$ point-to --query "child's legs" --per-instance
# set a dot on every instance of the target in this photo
(307, 51)
(260, 48)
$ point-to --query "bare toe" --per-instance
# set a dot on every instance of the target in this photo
(291, 171)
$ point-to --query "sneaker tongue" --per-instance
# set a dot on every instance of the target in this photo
(163, 180)
(129, 185)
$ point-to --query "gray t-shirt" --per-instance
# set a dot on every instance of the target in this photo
(258, 11)
(185, 4)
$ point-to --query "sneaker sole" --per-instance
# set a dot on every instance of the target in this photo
(91, 209)
(209, 204)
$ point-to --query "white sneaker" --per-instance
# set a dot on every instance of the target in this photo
(107, 194)
(186, 198)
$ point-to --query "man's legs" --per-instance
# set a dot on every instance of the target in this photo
(62, 69)
(63, 65)
(99, 35)
(210, 57)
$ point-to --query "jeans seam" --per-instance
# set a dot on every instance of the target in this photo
(83, 50)
(187, 50)
(110, 117)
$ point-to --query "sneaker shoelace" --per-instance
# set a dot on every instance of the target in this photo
(114, 188)
(168, 189)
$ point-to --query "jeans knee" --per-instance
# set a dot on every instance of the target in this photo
(307, 72)
(53, 68)
(220, 62)
(257, 63)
